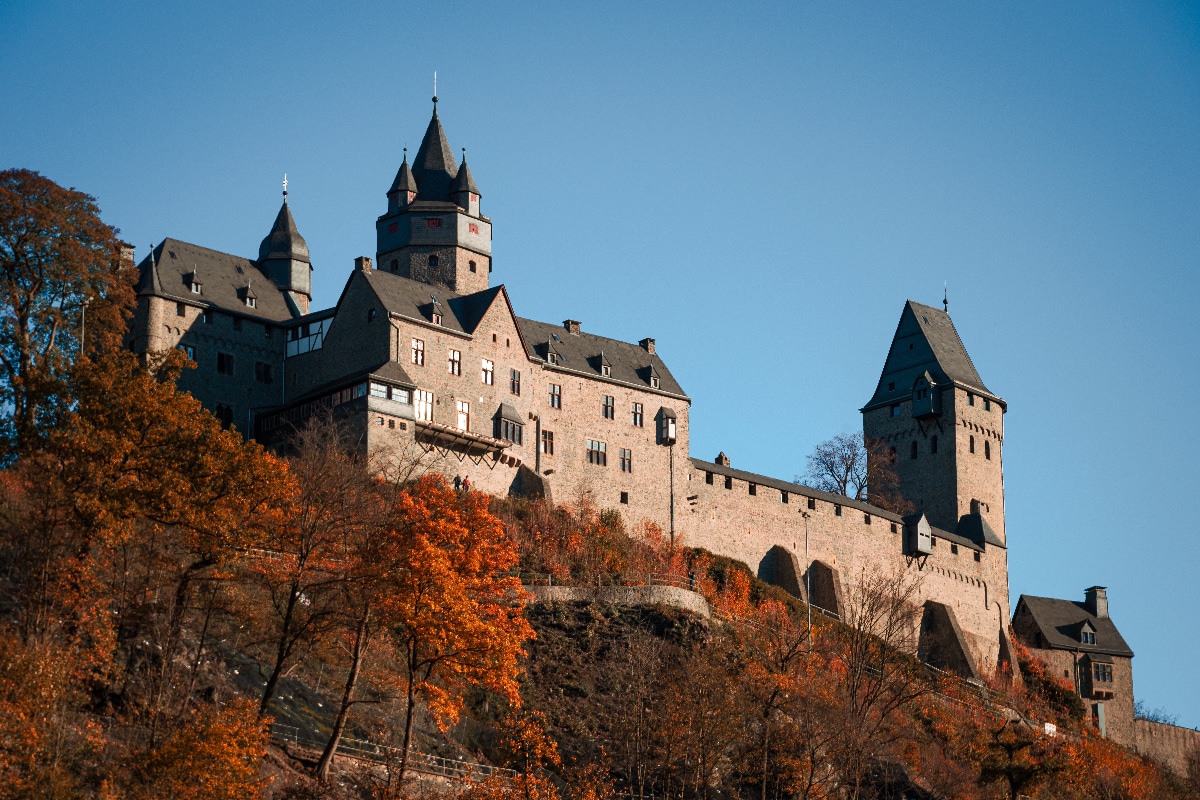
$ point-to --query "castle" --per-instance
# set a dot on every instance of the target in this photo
(427, 363)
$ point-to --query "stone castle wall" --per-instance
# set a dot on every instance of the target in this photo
(1169, 744)
(762, 530)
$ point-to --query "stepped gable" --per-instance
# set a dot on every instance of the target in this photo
(581, 353)
(1059, 622)
(926, 341)
(223, 279)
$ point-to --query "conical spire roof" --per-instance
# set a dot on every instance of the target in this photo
(464, 181)
(149, 282)
(284, 240)
(434, 167)
(405, 182)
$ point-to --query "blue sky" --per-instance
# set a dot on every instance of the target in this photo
(758, 186)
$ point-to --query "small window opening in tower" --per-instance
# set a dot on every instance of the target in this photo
(971, 444)
(933, 445)
(970, 399)
(913, 450)
(433, 261)
(987, 450)
(395, 265)
(471, 264)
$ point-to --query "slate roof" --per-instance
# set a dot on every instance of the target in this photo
(388, 370)
(464, 181)
(975, 528)
(223, 278)
(926, 341)
(404, 179)
(414, 299)
(284, 240)
(434, 166)
(580, 353)
(1059, 622)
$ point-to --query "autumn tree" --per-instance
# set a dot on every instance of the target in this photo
(1020, 759)
(858, 467)
(58, 263)
(430, 580)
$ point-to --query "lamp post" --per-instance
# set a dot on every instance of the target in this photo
(807, 576)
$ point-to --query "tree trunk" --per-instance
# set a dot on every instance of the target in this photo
(409, 704)
(360, 646)
(282, 651)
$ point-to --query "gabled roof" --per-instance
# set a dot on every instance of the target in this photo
(580, 353)
(1059, 622)
(284, 240)
(926, 341)
(434, 167)
(225, 280)
(405, 182)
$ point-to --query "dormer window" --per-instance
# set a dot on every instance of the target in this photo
(437, 318)
(1087, 637)
(551, 357)
(606, 370)
(192, 279)
(250, 301)
(196, 288)
(654, 382)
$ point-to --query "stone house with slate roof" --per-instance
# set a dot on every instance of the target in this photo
(429, 365)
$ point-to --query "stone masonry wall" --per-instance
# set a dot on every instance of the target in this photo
(732, 522)
(1118, 711)
(1170, 744)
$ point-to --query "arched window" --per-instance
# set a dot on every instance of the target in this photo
(914, 449)
(433, 261)
(972, 444)
(933, 445)
(987, 450)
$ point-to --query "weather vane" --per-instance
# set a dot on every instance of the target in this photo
(435, 86)
(285, 184)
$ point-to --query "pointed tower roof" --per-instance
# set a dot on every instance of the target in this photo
(149, 283)
(464, 181)
(434, 167)
(405, 182)
(284, 240)
(926, 341)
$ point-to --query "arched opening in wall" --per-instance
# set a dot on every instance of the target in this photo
(780, 568)
(826, 587)
(940, 643)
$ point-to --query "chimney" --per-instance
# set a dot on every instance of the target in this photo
(648, 344)
(572, 326)
(363, 263)
(126, 254)
(1096, 600)
(722, 459)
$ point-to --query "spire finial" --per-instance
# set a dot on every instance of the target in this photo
(435, 90)
(945, 298)
(285, 186)
(152, 254)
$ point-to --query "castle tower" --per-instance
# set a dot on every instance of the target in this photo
(433, 231)
(944, 427)
(283, 257)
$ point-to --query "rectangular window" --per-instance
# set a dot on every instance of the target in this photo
(433, 222)
(625, 498)
(637, 415)
(837, 510)
(473, 228)
(896, 410)
(954, 549)
(812, 504)
(987, 404)
(753, 489)
(402, 396)
(180, 309)
(548, 443)
(608, 407)
(708, 477)
(514, 381)
(1102, 672)
(225, 363)
(866, 519)
(188, 351)
(728, 482)
(970, 399)
(207, 316)
(423, 405)
(512, 431)
(237, 323)
(783, 497)
(555, 396)
(626, 460)
(262, 372)
(379, 390)
(487, 372)
(454, 363)
(418, 352)
(597, 453)
(464, 414)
